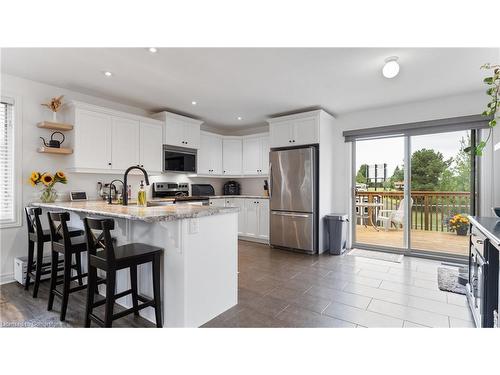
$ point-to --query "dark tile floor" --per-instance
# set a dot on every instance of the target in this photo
(19, 309)
(284, 289)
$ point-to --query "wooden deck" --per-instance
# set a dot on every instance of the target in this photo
(443, 242)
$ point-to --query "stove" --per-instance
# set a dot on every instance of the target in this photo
(170, 189)
(180, 192)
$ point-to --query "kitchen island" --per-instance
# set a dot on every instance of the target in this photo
(200, 259)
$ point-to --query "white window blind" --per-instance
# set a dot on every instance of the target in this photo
(7, 193)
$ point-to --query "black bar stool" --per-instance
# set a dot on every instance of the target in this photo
(63, 243)
(112, 259)
(38, 235)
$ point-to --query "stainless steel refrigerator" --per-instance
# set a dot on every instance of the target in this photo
(293, 199)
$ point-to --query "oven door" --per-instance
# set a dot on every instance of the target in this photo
(179, 159)
(476, 287)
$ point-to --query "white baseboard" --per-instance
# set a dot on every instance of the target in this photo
(7, 278)
(253, 239)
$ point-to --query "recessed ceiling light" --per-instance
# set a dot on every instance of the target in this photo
(108, 74)
(194, 102)
(391, 67)
(240, 118)
(153, 49)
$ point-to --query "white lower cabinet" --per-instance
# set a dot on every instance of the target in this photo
(217, 202)
(239, 203)
(263, 217)
(253, 217)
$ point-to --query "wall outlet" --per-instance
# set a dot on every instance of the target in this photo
(194, 226)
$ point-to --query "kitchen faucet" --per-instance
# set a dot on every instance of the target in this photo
(125, 195)
(110, 200)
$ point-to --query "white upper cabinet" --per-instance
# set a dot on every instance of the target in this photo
(180, 130)
(281, 134)
(210, 154)
(109, 141)
(295, 130)
(255, 155)
(231, 156)
(92, 139)
(252, 156)
(151, 145)
(306, 131)
(124, 143)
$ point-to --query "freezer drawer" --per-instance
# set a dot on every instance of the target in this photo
(293, 230)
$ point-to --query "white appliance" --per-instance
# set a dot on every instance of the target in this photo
(20, 267)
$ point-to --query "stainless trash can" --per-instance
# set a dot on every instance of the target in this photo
(336, 225)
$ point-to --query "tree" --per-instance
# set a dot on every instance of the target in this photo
(462, 166)
(362, 173)
(457, 177)
(427, 167)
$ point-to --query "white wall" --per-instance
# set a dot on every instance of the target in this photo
(13, 241)
(252, 186)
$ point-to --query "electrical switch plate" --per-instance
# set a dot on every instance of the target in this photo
(194, 226)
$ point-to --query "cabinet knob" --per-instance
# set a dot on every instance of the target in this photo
(109, 163)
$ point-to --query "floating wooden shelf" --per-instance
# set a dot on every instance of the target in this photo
(54, 150)
(54, 125)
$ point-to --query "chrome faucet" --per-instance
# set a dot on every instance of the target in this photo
(110, 200)
(125, 195)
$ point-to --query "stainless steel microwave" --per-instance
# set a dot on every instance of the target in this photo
(179, 159)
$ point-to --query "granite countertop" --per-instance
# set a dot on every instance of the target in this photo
(240, 196)
(490, 226)
(133, 212)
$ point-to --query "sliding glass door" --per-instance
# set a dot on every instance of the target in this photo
(441, 193)
(379, 192)
(428, 176)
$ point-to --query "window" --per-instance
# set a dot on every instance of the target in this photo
(9, 192)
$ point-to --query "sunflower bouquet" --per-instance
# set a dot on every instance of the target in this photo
(460, 224)
(49, 194)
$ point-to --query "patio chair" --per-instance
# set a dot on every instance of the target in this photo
(395, 217)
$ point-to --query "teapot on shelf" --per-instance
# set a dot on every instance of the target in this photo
(54, 142)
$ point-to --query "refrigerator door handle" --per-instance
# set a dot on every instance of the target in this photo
(270, 180)
(289, 214)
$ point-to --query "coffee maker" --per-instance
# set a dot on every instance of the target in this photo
(232, 188)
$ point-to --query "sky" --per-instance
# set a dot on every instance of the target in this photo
(391, 150)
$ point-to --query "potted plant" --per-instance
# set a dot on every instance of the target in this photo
(492, 110)
(460, 224)
(49, 194)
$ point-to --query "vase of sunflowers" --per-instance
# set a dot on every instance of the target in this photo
(48, 194)
(460, 224)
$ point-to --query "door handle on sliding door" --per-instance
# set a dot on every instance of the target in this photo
(289, 214)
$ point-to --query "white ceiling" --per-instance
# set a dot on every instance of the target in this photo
(253, 83)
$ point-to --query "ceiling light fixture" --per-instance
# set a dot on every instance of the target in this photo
(194, 102)
(153, 49)
(391, 67)
(240, 118)
(108, 74)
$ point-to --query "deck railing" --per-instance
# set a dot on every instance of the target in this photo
(431, 210)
